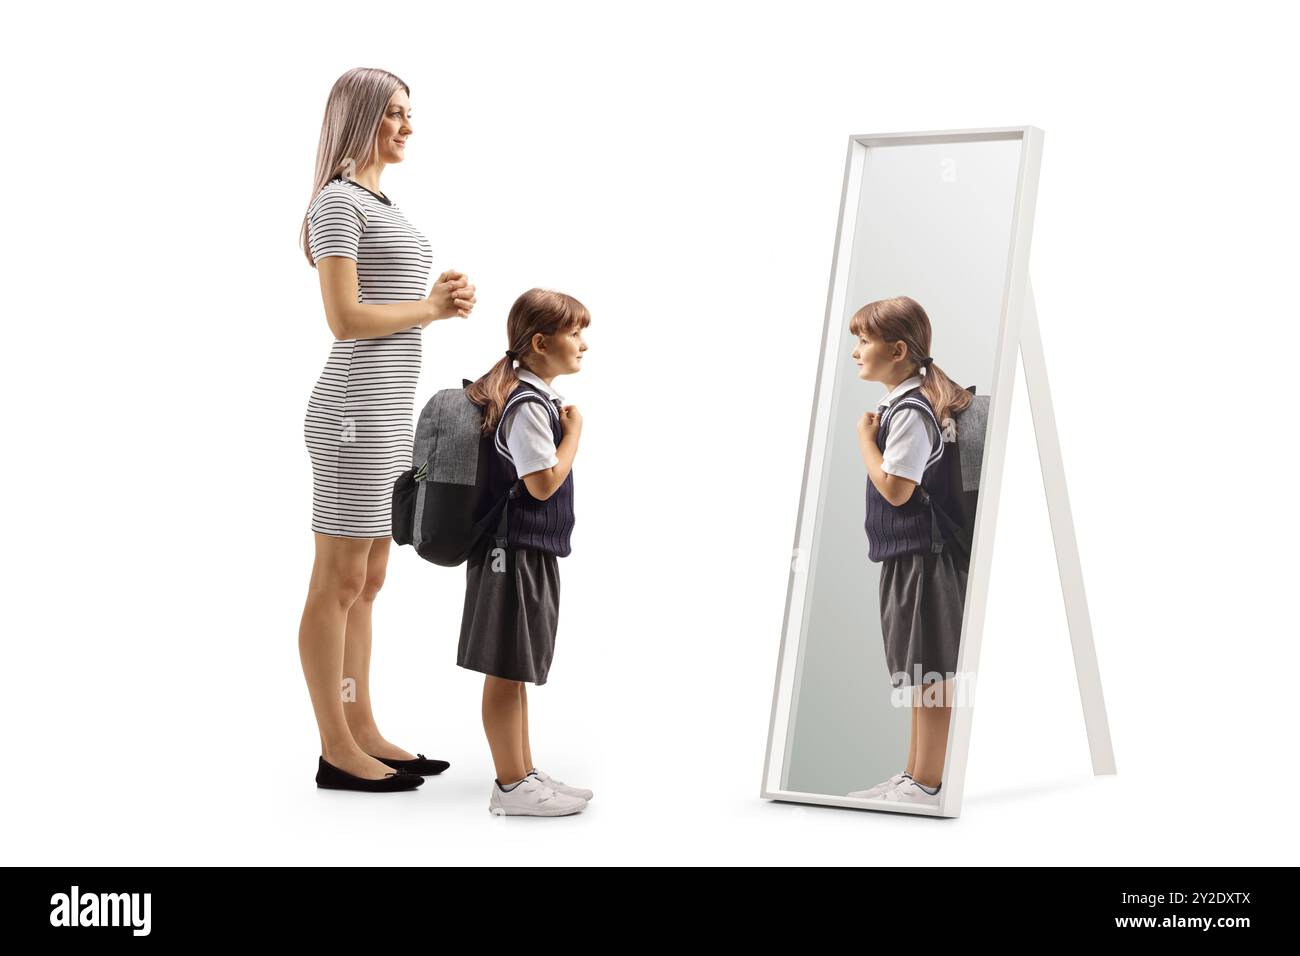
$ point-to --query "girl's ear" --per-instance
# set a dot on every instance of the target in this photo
(539, 342)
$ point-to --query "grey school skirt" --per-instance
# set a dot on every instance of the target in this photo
(922, 597)
(512, 607)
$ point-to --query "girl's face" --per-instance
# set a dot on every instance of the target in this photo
(394, 129)
(562, 351)
(877, 360)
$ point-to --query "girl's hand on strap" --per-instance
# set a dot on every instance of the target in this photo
(869, 425)
(570, 419)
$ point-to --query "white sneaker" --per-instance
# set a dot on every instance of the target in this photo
(880, 789)
(532, 798)
(559, 786)
(909, 791)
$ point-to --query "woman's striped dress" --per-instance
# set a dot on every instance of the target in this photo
(358, 425)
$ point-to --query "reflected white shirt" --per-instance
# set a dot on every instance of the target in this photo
(911, 438)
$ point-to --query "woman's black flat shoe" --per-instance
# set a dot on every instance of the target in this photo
(424, 766)
(331, 777)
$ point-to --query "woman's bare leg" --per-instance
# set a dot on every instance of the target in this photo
(932, 718)
(503, 723)
(356, 658)
(337, 578)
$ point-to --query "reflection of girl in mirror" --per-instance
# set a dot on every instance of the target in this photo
(922, 590)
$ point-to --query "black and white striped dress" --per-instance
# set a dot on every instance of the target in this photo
(358, 424)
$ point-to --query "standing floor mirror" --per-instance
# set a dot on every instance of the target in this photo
(888, 576)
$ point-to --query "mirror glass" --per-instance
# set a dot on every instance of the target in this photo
(923, 260)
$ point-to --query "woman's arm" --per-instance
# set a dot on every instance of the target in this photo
(452, 295)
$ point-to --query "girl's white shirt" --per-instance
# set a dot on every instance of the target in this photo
(527, 430)
(911, 438)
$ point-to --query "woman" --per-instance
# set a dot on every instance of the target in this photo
(373, 266)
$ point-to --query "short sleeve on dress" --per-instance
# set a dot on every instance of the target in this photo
(909, 445)
(334, 225)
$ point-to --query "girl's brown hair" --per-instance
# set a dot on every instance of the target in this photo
(537, 311)
(902, 319)
(349, 132)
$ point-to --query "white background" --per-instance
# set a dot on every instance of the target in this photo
(679, 170)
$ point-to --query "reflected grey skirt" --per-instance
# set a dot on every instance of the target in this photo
(922, 597)
(512, 607)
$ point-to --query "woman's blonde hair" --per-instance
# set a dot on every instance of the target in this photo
(901, 319)
(349, 134)
(536, 311)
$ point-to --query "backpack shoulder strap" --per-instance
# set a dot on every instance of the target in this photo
(912, 401)
(524, 393)
(940, 523)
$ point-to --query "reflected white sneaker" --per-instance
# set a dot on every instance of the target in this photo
(559, 786)
(909, 791)
(532, 798)
(880, 789)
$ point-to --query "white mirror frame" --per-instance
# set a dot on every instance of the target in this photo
(1015, 291)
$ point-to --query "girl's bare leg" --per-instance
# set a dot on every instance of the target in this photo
(911, 746)
(503, 723)
(356, 659)
(932, 719)
(338, 576)
(523, 723)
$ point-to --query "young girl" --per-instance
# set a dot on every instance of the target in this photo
(922, 591)
(512, 594)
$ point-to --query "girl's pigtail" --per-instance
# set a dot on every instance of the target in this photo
(493, 389)
(946, 397)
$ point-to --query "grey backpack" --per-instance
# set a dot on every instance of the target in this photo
(963, 474)
(436, 500)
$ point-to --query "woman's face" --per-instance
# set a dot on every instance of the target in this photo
(394, 129)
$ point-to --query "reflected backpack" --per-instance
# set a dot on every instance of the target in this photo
(448, 483)
(956, 521)
(940, 514)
